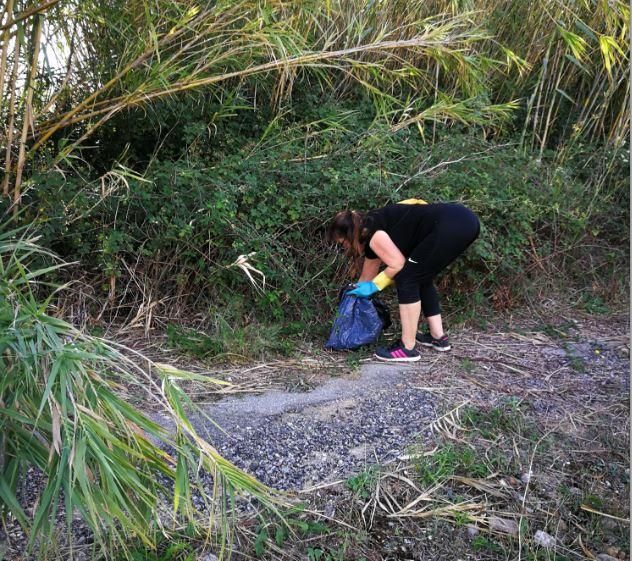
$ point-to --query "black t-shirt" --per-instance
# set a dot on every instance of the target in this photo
(407, 225)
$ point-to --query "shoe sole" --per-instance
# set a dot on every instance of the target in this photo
(407, 359)
(440, 349)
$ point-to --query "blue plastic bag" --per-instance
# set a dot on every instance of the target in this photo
(357, 323)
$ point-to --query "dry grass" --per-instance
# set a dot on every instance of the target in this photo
(533, 431)
(550, 434)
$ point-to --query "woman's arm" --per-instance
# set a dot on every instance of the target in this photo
(370, 269)
(388, 252)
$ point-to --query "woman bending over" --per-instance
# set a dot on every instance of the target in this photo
(415, 241)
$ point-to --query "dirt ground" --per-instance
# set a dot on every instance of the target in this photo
(528, 457)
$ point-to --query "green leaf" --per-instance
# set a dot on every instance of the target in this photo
(9, 499)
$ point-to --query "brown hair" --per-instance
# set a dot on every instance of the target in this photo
(352, 226)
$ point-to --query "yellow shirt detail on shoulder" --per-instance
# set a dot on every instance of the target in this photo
(412, 202)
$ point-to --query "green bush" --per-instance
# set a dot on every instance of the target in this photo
(269, 187)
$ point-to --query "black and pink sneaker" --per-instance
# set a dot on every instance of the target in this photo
(397, 353)
(427, 340)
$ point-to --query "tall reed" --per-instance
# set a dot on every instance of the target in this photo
(64, 410)
(563, 64)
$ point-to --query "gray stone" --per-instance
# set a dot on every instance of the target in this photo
(503, 525)
(472, 531)
(544, 540)
(606, 557)
(554, 352)
(609, 524)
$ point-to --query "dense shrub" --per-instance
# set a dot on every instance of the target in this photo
(270, 187)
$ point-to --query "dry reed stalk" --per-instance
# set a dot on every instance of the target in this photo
(593, 511)
(481, 484)
(449, 424)
(549, 117)
(620, 131)
(8, 10)
(29, 88)
(538, 94)
(451, 510)
(11, 122)
(406, 480)
(35, 10)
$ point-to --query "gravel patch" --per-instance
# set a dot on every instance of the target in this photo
(291, 441)
(300, 449)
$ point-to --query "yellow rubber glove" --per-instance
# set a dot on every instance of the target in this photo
(412, 202)
(382, 281)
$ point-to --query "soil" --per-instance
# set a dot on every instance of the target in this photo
(543, 405)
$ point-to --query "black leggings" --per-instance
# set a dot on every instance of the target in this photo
(456, 228)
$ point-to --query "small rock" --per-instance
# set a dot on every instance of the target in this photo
(526, 477)
(472, 531)
(512, 481)
(509, 481)
(503, 525)
(606, 557)
(609, 524)
(208, 557)
(614, 551)
(547, 485)
(330, 510)
(544, 540)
